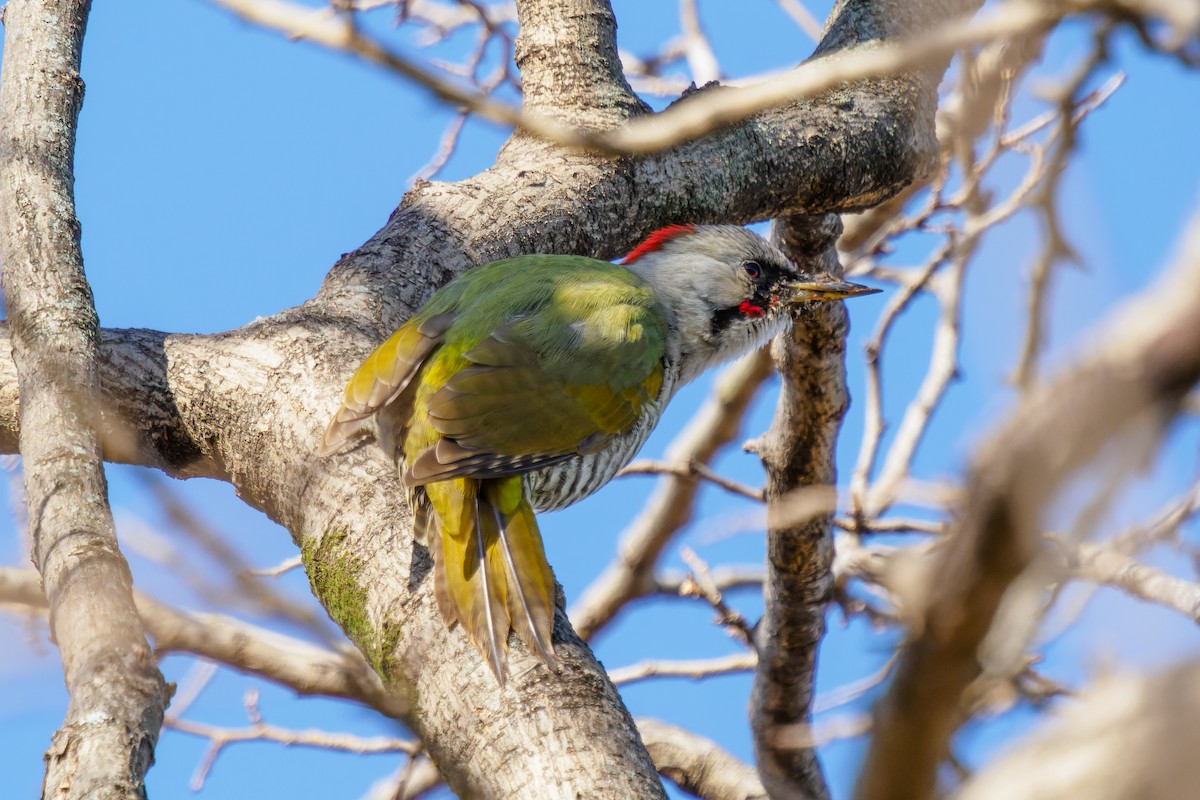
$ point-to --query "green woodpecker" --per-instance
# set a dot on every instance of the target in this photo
(528, 383)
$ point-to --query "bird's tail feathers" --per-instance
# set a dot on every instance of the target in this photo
(531, 583)
(490, 570)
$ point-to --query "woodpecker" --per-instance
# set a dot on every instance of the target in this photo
(528, 383)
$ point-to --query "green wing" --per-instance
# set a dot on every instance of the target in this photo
(531, 376)
(381, 379)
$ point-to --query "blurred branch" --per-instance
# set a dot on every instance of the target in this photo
(647, 73)
(1072, 109)
(283, 567)
(1129, 736)
(803, 18)
(220, 737)
(803, 736)
(415, 779)
(702, 61)
(1131, 385)
(1163, 526)
(264, 596)
(696, 669)
(1104, 565)
(723, 577)
(706, 112)
(444, 18)
(303, 667)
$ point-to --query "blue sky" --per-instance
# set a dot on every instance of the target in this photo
(221, 171)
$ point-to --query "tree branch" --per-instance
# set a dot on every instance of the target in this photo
(1107, 566)
(570, 70)
(117, 695)
(697, 765)
(306, 668)
(798, 451)
(929, 34)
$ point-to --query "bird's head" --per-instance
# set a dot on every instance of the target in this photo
(726, 288)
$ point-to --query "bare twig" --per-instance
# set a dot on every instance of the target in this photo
(283, 567)
(683, 121)
(445, 151)
(696, 669)
(692, 469)
(852, 691)
(258, 731)
(702, 585)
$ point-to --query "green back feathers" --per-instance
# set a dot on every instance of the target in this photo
(521, 363)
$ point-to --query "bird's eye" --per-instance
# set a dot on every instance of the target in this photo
(753, 269)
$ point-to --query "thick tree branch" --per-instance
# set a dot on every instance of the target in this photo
(1129, 389)
(117, 695)
(798, 451)
(570, 70)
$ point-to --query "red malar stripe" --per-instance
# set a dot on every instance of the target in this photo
(656, 240)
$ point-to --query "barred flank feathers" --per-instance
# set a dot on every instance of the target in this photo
(560, 485)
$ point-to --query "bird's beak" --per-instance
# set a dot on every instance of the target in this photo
(825, 289)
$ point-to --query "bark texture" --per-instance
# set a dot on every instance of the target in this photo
(799, 451)
(106, 743)
(247, 406)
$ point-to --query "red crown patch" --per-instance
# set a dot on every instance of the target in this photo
(656, 240)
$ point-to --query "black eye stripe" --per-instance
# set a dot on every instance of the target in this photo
(764, 273)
